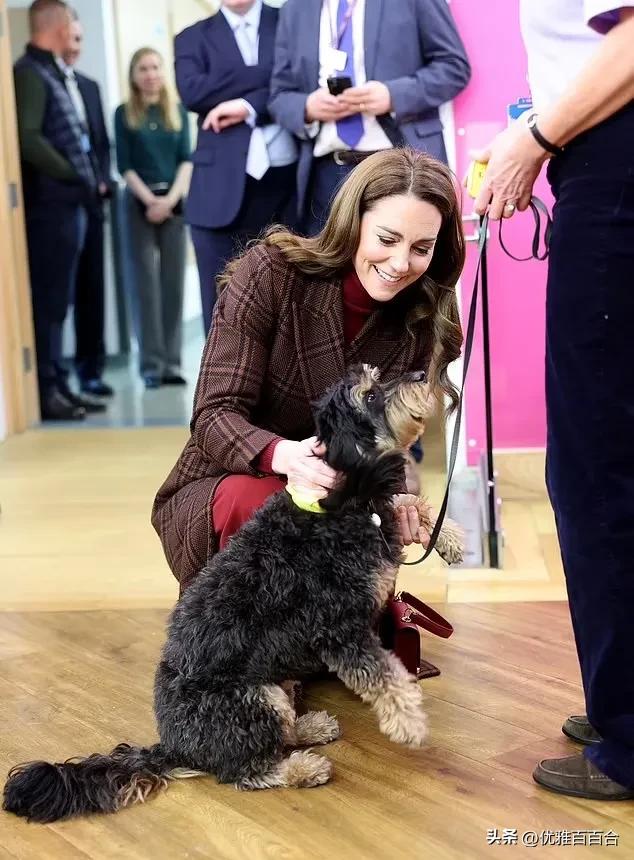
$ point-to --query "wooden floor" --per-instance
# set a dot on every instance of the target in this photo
(78, 682)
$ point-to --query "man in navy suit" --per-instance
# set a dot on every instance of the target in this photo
(402, 59)
(90, 350)
(244, 164)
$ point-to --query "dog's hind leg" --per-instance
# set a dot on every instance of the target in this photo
(302, 769)
(316, 727)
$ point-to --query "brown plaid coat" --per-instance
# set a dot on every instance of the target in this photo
(276, 344)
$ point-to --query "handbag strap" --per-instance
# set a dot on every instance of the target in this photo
(426, 617)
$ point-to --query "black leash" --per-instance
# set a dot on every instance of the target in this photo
(538, 208)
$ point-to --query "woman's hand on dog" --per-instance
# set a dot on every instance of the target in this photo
(409, 525)
(304, 467)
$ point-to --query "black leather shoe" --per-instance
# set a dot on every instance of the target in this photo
(173, 379)
(90, 404)
(152, 381)
(55, 407)
(579, 729)
(575, 776)
(96, 387)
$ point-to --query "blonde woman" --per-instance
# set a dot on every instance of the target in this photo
(153, 155)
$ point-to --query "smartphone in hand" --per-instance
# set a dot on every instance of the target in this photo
(338, 83)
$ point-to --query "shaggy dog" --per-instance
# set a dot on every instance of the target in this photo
(294, 591)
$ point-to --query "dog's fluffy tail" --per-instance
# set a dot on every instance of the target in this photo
(43, 792)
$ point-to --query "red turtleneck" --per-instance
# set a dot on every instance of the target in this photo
(357, 307)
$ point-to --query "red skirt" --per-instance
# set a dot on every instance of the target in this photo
(235, 500)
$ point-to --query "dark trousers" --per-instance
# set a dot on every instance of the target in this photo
(266, 201)
(55, 236)
(590, 407)
(90, 348)
(325, 179)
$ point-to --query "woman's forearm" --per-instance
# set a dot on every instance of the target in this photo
(138, 187)
(180, 186)
(604, 86)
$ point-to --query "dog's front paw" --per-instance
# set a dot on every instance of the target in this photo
(408, 729)
(400, 711)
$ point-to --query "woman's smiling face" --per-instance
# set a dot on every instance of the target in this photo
(396, 244)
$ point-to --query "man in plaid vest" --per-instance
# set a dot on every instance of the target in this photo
(60, 183)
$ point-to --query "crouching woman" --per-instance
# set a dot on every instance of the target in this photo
(377, 285)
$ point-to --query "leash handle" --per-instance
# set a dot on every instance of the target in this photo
(539, 209)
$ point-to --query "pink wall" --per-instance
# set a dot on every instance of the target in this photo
(516, 290)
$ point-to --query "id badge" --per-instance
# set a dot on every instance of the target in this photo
(515, 110)
(336, 60)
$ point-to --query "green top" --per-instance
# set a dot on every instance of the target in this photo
(35, 149)
(151, 150)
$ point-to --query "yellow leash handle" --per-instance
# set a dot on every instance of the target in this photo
(475, 177)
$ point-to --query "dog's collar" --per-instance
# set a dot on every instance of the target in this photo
(303, 501)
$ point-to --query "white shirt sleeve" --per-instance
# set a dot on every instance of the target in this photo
(602, 15)
(251, 119)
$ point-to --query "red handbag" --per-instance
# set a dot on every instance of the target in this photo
(400, 631)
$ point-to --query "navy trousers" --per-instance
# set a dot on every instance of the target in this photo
(590, 407)
(55, 237)
(326, 178)
(266, 201)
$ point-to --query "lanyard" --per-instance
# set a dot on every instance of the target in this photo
(337, 35)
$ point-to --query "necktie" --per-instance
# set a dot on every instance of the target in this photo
(73, 91)
(257, 157)
(350, 129)
(72, 88)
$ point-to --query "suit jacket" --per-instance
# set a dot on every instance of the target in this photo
(210, 70)
(412, 46)
(99, 139)
(276, 345)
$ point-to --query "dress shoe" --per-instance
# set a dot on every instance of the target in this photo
(96, 387)
(173, 379)
(90, 404)
(152, 381)
(55, 407)
(576, 776)
(579, 729)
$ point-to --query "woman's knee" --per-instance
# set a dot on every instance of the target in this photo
(236, 499)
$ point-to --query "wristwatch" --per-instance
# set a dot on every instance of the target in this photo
(539, 137)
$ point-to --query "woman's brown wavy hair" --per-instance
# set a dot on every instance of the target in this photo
(431, 301)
